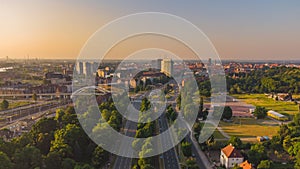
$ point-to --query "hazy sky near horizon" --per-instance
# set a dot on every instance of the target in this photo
(246, 30)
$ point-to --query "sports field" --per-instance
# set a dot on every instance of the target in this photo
(249, 127)
(286, 108)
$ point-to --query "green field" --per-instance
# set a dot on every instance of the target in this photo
(250, 127)
(286, 108)
(218, 135)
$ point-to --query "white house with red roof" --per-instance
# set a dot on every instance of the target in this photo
(230, 156)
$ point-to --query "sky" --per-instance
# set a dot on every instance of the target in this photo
(240, 30)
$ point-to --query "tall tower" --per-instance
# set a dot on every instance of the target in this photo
(209, 62)
(159, 63)
(87, 68)
(167, 67)
(79, 68)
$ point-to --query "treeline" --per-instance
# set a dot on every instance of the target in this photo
(278, 80)
(59, 143)
(145, 130)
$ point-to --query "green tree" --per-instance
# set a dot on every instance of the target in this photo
(34, 97)
(145, 105)
(297, 164)
(227, 113)
(5, 161)
(68, 163)
(192, 163)
(235, 141)
(59, 114)
(53, 161)
(297, 119)
(4, 104)
(190, 112)
(260, 112)
(257, 153)
(201, 104)
(236, 166)
(186, 149)
(28, 158)
(83, 166)
(43, 142)
(7, 147)
(197, 127)
(99, 157)
(105, 114)
(264, 164)
(65, 140)
(178, 101)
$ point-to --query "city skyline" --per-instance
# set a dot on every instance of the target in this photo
(239, 30)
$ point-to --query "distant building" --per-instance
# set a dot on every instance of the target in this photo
(87, 68)
(79, 68)
(103, 72)
(277, 116)
(133, 83)
(94, 67)
(209, 62)
(57, 78)
(230, 156)
(167, 67)
(159, 63)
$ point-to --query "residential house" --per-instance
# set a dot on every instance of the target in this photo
(230, 156)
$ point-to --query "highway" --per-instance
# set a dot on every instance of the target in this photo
(170, 157)
(124, 162)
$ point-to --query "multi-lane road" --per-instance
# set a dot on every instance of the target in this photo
(125, 162)
(170, 157)
(130, 126)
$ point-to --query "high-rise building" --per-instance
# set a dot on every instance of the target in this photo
(94, 66)
(87, 68)
(159, 63)
(209, 62)
(79, 68)
(167, 67)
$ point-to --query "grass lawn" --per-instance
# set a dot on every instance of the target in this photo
(286, 108)
(250, 127)
(218, 135)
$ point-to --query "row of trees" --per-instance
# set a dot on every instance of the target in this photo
(288, 139)
(144, 130)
